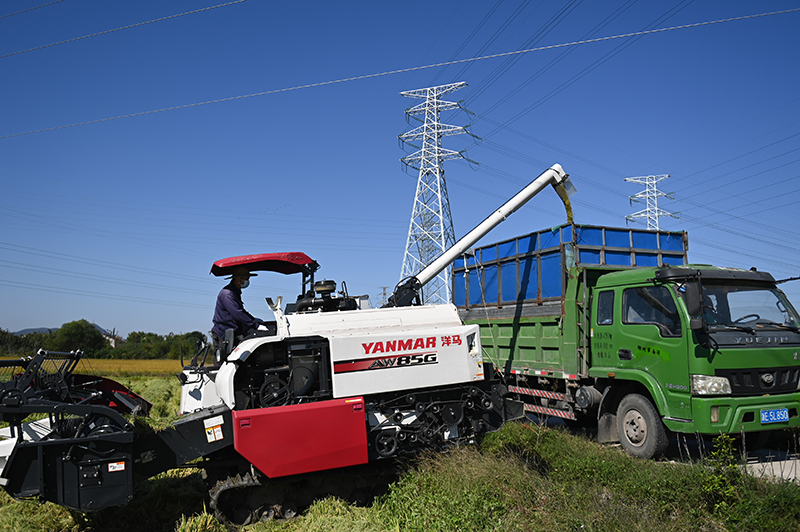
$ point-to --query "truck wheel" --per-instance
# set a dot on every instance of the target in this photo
(639, 426)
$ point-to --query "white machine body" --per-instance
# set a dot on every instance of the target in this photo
(371, 351)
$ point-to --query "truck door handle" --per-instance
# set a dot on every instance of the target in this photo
(625, 354)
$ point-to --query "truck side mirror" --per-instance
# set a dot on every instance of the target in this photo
(696, 324)
(694, 304)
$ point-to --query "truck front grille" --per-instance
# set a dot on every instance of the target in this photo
(760, 381)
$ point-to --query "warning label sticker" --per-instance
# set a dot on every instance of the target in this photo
(214, 433)
(213, 426)
(116, 466)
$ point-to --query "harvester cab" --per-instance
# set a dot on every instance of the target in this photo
(315, 296)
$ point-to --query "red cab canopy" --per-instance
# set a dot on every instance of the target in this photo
(287, 263)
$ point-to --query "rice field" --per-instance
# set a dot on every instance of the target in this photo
(146, 368)
(107, 367)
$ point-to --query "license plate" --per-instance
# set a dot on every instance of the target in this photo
(775, 415)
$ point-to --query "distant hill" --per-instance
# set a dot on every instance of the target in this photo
(44, 330)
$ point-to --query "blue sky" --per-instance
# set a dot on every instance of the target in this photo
(119, 221)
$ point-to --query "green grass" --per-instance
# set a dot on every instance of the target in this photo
(532, 478)
(525, 477)
(163, 392)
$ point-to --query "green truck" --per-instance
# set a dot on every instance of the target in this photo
(613, 327)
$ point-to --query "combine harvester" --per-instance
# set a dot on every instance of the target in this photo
(328, 385)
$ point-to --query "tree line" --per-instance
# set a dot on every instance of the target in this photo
(82, 335)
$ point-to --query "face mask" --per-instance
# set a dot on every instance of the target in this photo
(245, 283)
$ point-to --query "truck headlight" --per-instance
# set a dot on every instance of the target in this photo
(708, 385)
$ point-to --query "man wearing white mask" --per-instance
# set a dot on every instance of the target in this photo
(229, 312)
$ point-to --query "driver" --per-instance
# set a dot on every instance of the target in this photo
(229, 312)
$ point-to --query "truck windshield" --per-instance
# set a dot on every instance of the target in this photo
(747, 305)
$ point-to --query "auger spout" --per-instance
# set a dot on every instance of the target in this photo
(407, 292)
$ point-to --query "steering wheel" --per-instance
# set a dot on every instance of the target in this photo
(743, 318)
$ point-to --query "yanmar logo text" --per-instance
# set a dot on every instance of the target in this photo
(424, 353)
(390, 346)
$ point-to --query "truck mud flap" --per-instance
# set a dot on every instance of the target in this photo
(607, 428)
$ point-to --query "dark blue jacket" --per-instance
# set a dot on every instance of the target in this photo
(230, 313)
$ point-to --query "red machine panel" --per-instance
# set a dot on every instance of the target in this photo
(294, 439)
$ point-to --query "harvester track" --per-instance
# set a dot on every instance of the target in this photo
(249, 497)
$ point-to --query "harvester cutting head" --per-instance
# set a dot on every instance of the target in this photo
(46, 382)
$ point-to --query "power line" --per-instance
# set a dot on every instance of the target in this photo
(583, 72)
(30, 9)
(274, 214)
(94, 277)
(329, 226)
(526, 158)
(739, 157)
(82, 260)
(119, 29)
(115, 280)
(464, 44)
(699, 221)
(549, 26)
(695, 146)
(532, 161)
(721, 246)
(399, 71)
(496, 35)
(60, 290)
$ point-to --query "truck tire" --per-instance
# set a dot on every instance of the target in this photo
(641, 432)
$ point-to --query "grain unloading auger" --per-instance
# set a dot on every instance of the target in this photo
(407, 292)
(330, 384)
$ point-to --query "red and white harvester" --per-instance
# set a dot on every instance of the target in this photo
(329, 385)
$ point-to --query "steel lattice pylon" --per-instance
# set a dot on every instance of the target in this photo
(431, 229)
(651, 195)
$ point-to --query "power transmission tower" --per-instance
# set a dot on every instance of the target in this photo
(431, 229)
(384, 295)
(651, 195)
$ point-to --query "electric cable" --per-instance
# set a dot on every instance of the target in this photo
(30, 9)
(115, 280)
(469, 38)
(588, 69)
(400, 71)
(706, 181)
(695, 146)
(761, 238)
(509, 62)
(119, 29)
(101, 295)
(613, 16)
(496, 35)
